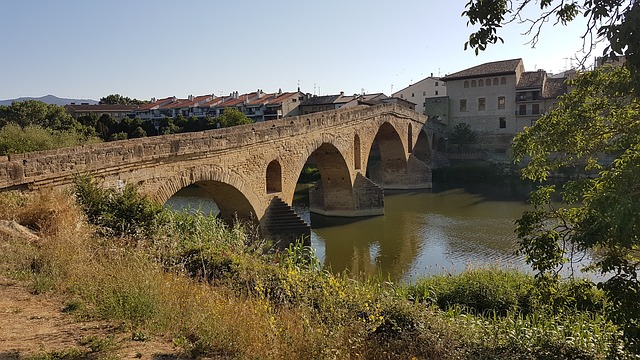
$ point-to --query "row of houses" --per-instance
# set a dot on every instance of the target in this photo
(258, 105)
(496, 99)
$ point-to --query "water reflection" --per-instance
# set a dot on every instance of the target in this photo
(422, 232)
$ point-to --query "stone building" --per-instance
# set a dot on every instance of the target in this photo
(497, 99)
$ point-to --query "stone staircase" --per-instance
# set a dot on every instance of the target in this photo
(283, 224)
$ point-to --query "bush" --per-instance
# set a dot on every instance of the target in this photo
(16, 140)
(483, 290)
(117, 213)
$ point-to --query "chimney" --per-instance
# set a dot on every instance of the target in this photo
(153, 99)
(190, 97)
(341, 93)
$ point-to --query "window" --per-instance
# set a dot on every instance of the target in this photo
(503, 80)
(535, 109)
(501, 102)
(503, 123)
(401, 96)
(473, 83)
(480, 83)
(495, 81)
(522, 110)
(412, 94)
(488, 82)
(463, 105)
(436, 83)
(466, 84)
(436, 92)
(424, 93)
(481, 104)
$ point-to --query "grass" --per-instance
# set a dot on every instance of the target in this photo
(219, 291)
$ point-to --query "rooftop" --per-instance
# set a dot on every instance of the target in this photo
(531, 79)
(503, 67)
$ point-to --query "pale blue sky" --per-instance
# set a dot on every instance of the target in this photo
(160, 48)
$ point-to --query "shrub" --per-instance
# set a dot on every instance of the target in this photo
(117, 213)
(16, 140)
(481, 290)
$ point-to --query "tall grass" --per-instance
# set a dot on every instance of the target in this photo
(219, 291)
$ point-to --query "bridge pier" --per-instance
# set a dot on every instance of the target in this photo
(400, 175)
(364, 199)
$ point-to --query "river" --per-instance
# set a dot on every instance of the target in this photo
(443, 230)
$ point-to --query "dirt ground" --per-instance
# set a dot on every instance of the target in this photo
(36, 326)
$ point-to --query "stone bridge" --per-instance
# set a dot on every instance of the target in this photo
(245, 167)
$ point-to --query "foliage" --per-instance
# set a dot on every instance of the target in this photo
(114, 99)
(15, 139)
(614, 21)
(233, 117)
(33, 112)
(596, 128)
(119, 213)
(463, 136)
(33, 125)
(274, 306)
(500, 292)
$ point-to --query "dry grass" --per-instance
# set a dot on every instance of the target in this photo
(254, 309)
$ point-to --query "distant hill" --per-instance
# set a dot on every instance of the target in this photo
(51, 99)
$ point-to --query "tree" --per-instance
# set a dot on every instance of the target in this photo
(596, 122)
(612, 21)
(114, 99)
(233, 117)
(600, 117)
(463, 136)
(33, 112)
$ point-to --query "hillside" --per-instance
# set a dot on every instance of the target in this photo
(51, 99)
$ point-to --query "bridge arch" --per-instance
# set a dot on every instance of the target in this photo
(274, 177)
(357, 152)
(422, 148)
(387, 156)
(233, 195)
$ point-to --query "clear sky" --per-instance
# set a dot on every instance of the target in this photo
(160, 48)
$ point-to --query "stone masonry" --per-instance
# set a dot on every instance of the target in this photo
(244, 167)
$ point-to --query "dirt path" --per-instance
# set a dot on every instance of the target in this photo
(32, 325)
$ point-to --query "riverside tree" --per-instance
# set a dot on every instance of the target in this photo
(596, 128)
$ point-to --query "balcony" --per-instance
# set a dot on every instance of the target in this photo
(528, 96)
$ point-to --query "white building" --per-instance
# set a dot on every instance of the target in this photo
(418, 92)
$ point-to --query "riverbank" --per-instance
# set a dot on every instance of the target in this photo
(219, 292)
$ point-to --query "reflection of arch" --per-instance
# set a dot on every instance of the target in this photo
(422, 150)
(274, 177)
(232, 195)
(356, 152)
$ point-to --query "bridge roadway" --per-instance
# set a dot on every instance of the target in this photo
(245, 167)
